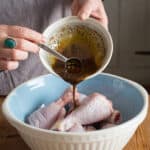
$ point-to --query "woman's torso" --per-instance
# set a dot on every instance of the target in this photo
(37, 15)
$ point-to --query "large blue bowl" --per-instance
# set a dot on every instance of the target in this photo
(29, 96)
(127, 96)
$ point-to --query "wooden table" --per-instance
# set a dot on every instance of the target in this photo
(9, 139)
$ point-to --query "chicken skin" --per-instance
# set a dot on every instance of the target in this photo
(95, 108)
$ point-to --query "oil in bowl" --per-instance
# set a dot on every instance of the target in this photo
(79, 42)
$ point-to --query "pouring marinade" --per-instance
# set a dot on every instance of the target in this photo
(87, 48)
(77, 42)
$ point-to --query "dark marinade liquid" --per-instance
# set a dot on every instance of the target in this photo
(88, 65)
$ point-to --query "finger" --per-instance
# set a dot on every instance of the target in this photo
(13, 54)
(21, 44)
(26, 45)
(102, 21)
(3, 27)
(26, 33)
(100, 15)
(8, 65)
(85, 10)
(3, 36)
(75, 8)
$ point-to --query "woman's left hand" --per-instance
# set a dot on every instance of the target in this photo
(94, 8)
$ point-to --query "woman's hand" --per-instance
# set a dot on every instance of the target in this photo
(94, 8)
(25, 39)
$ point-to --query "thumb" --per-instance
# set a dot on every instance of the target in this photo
(85, 11)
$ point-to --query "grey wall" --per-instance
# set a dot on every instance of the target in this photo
(129, 22)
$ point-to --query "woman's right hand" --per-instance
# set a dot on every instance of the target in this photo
(26, 41)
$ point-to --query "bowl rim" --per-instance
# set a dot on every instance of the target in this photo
(91, 22)
(138, 119)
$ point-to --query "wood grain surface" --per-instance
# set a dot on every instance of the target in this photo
(9, 138)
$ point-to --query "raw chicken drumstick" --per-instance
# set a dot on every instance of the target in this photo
(45, 117)
(111, 121)
(95, 108)
(60, 117)
(77, 128)
(115, 117)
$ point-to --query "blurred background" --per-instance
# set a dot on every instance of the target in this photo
(129, 23)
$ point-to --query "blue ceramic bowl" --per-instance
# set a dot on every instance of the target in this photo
(127, 96)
